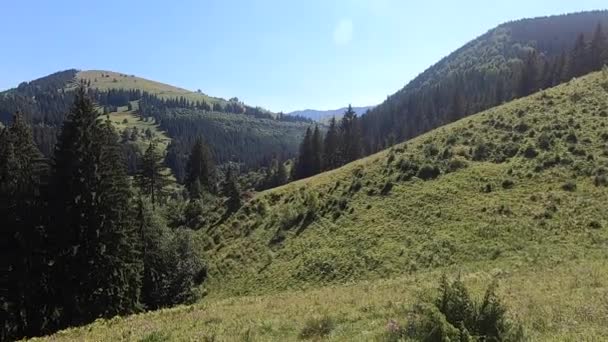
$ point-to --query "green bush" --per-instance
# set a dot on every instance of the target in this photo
(316, 328)
(455, 316)
(386, 189)
(427, 172)
(508, 184)
(456, 163)
(530, 152)
(569, 186)
(173, 267)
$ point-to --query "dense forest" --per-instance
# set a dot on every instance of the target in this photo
(82, 240)
(512, 61)
(236, 132)
(508, 62)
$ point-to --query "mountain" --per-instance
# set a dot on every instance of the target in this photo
(250, 136)
(515, 193)
(324, 115)
(509, 61)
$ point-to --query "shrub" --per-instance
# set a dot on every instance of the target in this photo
(386, 189)
(595, 224)
(571, 138)
(481, 152)
(508, 184)
(156, 336)
(600, 180)
(430, 150)
(408, 168)
(427, 172)
(544, 141)
(173, 267)
(530, 152)
(316, 328)
(455, 316)
(456, 163)
(569, 186)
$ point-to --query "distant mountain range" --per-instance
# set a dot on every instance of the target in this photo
(323, 115)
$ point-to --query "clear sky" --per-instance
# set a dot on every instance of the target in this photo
(280, 54)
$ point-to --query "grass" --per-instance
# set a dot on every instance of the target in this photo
(565, 302)
(115, 80)
(123, 118)
(357, 246)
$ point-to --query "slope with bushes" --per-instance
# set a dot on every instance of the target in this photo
(517, 184)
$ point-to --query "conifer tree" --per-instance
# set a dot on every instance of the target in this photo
(230, 190)
(599, 49)
(151, 177)
(350, 137)
(305, 158)
(96, 267)
(281, 176)
(330, 146)
(21, 240)
(579, 58)
(317, 152)
(201, 169)
(528, 82)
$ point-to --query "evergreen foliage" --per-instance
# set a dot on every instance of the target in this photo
(200, 170)
(151, 178)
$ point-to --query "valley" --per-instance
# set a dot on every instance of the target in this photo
(470, 205)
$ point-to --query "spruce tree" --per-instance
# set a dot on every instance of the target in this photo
(305, 158)
(317, 152)
(350, 137)
(230, 190)
(579, 60)
(201, 169)
(330, 146)
(96, 269)
(598, 49)
(281, 176)
(151, 178)
(528, 82)
(22, 253)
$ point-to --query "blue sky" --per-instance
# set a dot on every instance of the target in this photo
(280, 54)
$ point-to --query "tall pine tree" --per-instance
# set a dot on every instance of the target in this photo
(330, 146)
(317, 151)
(231, 191)
(151, 178)
(96, 269)
(598, 48)
(200, 170)
(304, 165)
(350, 137)
(22, 257)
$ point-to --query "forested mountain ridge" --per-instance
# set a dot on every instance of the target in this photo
(486, 72)
(246, 135)
(325, 115)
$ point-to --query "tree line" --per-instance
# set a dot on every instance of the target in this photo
(413, 111)
(509, 62)
(340, 145)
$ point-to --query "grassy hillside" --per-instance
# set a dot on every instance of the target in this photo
(498, 195)
(104, 80)
(516, 193)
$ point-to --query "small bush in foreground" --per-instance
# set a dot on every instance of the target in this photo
(428, 172)
(316, 328)
(455, 316)
(569, 186)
